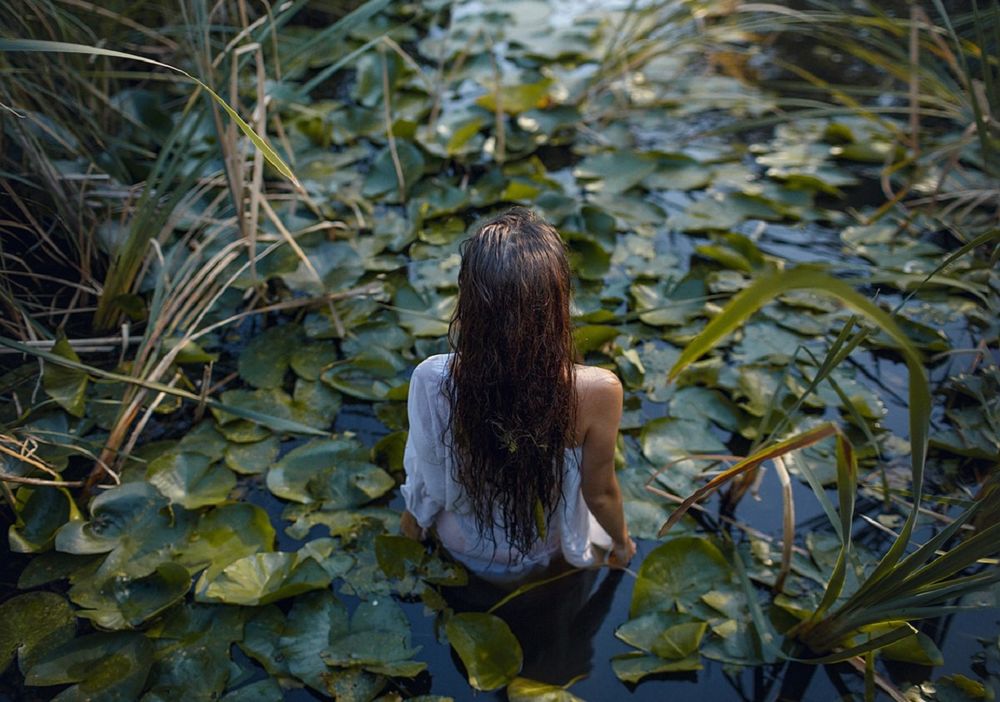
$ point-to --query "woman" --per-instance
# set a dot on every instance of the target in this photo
(510, 455)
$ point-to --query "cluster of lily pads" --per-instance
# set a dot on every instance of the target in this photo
(450, 115)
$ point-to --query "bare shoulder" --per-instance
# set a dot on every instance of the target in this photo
(597, 386)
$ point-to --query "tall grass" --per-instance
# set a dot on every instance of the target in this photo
(101, 182)
(941, 79)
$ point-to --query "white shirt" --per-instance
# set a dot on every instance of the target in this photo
(435, 498)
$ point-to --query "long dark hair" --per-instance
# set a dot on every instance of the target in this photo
(511, 386)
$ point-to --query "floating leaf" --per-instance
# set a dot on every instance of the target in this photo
(383, 178)
(191, 479)
(633, 667)
(333, 471)
(614, 172)
(666, 439)
(252, 458)
(41, 511)
(110, 667)
(67, 386)
(262, 634)
(517, 98)
(313, 622)
(267, 690)
(31, 624)
(131, 526)
(264, 360)
(525, 690)
(672, 635)
(678, 573)
(125, 603)
(378, 641)
(591, 337)
(488, 649)
(226, 534)
(264, 578)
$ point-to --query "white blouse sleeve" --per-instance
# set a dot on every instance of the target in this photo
(424, 457)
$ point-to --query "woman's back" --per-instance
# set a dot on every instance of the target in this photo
(436, 498)
(491, 459)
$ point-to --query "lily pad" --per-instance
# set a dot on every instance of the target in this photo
(265, 359)
(32, 623)
(313, 622)
(633, 667)
(191, 479)
(333, 471)
(526, 690)
(678, 573)
(488, 649)
(378, 641)
(103, 666)
(666, 439)
(226, 534)
(263, 578)
(41, 511)
(672, 635)
(125, 603)
(67, 386)
(252, 458)
(383, 178)
(131, 525)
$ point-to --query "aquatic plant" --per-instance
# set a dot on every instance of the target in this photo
(252, 408)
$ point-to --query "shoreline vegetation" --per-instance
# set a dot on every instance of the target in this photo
(230, 231)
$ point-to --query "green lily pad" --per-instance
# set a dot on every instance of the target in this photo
(666, 439)
(130, 524)
(262, 634)
(488, 649)
(517, 98)
(401, 557)
(671, 635)
(591, 337)
(677, 573)
(204, 439)
(526, 690)
(252, 458)
(314, 621)
(378, 641)
(226, 534)
(103, 666)
(633, 667)
(52, 566)
(125, 603)
(192, 658)
(67, 386)
(267, 690)
(369, 375)
(678, 173)
(263, 578)
(265, 359)
(614, 172)
(333, 471)
(31, 624)
(669, 305)
(191, 479)
(243, 431)
(310, 360)
(383, 179)
(41, 511)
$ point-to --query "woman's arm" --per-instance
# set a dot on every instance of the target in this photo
(601, 404)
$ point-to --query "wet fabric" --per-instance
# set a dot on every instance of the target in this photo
(437, 500)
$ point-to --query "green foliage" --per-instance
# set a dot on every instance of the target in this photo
(491, 655)
(736, 265)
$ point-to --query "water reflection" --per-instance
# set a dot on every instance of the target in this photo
(555, 623)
